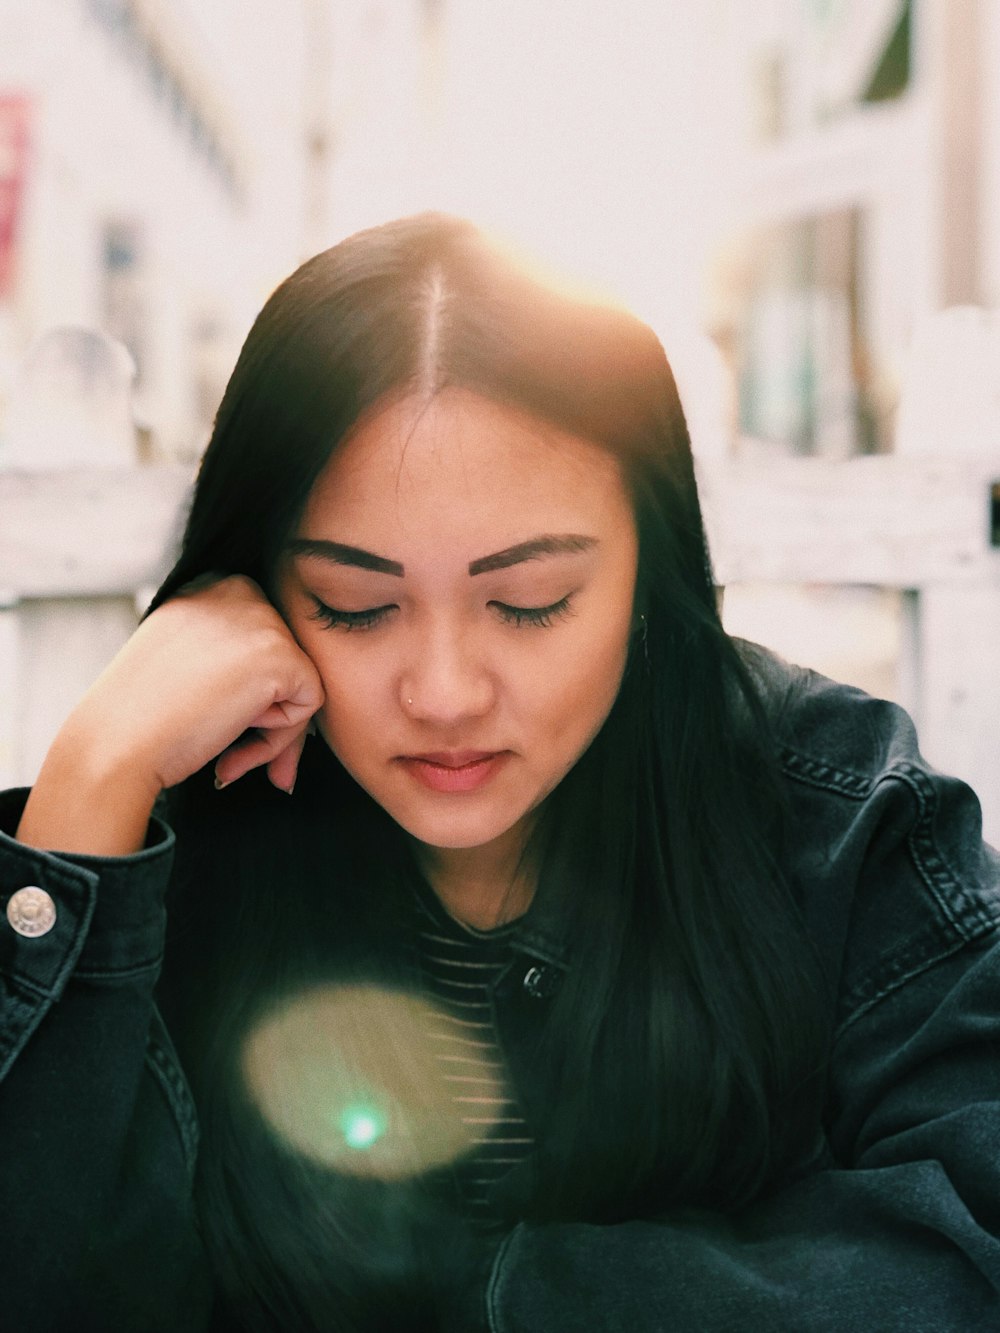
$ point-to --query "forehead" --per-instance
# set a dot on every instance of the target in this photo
(461, 463)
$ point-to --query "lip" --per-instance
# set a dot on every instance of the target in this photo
(454, 758)
(454, 770)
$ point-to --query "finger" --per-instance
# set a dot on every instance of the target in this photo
(253, 749)
(283, 768)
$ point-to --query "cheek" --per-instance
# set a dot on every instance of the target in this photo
(354, 686)
(583, 684)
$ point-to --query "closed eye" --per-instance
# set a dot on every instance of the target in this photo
(333, 619)
(542, 616)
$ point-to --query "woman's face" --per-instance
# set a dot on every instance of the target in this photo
(463, 578)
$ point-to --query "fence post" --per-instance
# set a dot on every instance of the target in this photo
(950, 408)
(71, 405)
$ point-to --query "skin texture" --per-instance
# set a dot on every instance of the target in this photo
(443, 666)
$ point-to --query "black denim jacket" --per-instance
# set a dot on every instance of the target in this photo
(895, 1226)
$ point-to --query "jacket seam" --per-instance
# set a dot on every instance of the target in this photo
(493, 1283)
(927, 858)
(962, 917)
(865, 1005)
(806, 768)
(34, 1013)
(934, 869)
(33, 988)
(142, 969)
(180, 1104)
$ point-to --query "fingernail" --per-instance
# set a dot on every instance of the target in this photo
(219, 784)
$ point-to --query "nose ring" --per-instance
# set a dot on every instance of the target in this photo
(409, 703)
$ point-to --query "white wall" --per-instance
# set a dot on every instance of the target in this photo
(106, 147)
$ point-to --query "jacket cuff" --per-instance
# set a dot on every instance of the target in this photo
(109, 913)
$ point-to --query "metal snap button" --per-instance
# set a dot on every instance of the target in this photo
(31, 911)
(539, 982)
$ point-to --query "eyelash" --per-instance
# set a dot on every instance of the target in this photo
(519, 616)
(330, 618)
(542, 616)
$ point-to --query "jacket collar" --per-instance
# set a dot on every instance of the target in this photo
(542, 934)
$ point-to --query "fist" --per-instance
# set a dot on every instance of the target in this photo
(214, 673)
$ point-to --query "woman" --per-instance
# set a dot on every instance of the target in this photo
(599, 972)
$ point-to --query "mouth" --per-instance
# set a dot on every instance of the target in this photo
(454, 770)
(453, 758)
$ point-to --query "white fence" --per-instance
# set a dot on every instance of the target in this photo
(80, 551)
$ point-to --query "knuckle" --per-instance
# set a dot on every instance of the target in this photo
(243, 585)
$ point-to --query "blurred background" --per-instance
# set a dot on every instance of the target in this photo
(801, 196)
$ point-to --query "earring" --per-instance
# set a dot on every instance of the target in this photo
(409, 703)
(641, 629)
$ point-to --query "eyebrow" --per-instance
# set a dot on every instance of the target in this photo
(536, 548)
(339, 554)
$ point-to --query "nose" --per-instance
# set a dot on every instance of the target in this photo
(446, 681)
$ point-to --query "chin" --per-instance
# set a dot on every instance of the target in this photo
(456, 833)
(454, 839)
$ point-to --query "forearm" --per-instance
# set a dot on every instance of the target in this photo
(87, 801)
(846, 1252)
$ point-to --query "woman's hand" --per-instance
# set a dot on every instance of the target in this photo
(214, 672)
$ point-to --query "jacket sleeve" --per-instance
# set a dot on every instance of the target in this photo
(896, 1228)
(98, 1130)
(902, 1238)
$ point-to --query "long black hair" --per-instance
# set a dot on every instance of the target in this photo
(683, 1052)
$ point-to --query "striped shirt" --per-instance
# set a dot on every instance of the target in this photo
(459, 964)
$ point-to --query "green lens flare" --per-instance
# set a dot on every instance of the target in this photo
(361, 1126)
